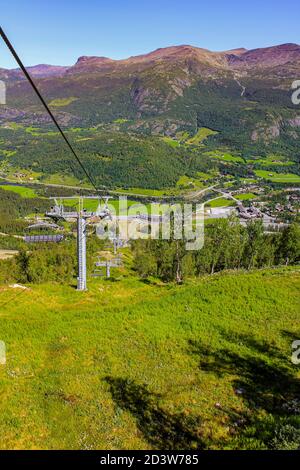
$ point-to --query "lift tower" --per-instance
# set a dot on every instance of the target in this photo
(82, 216)
(81, 251)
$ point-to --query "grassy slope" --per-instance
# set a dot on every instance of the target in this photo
(125, 365)
(21, 190)
(278, 177)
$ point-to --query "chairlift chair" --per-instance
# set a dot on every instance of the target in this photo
(43, 236)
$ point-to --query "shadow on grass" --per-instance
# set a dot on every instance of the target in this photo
(290, 335)
(162, 430)
(265, 380)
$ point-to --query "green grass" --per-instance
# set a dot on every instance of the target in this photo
(201, 135)
(143, 191)
(249, 180)
(114, 204)
(226, 157)
(33, 130)
(12, 174)
(21, 190)
(173, 143)
(206, 176)
(278, 177)
(120, 121)
(92, 204)
(133, 365)
(222, 202)
(8, 153)
(60, 102)
(182, 136)
(272, 160)
(66, 180)
(245, 196)
(186, 182)
(14, 125)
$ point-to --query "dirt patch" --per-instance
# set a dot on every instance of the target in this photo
(6, 254)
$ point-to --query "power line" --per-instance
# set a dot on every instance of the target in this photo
(18, 60)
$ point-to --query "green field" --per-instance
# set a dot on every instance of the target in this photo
(226, 157)
(143, 192)
(186, 182)
(60, 102)
(134, 365)
(222, 202)
(120, 121)
(201, 135)
(66, 180)
(7, 153)
(173, 143)
(278, 177)
(272, 160)
(21, 190)
(114, 204)
(245, 196)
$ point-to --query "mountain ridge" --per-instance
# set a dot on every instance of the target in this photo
(271, 55)
(244, 96)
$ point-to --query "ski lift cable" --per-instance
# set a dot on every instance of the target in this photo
(22, 67)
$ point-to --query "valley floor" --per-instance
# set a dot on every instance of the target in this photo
(136, 365)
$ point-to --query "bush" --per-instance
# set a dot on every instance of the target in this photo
(287, 437)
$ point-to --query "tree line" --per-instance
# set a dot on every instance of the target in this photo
(228, 245)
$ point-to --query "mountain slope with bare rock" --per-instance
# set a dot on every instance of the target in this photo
(243, 95)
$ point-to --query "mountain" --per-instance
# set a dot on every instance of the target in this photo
(267, 57)
(243, 95)
(240, 58)
(43, 71)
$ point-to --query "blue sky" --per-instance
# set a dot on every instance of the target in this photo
(58, 32)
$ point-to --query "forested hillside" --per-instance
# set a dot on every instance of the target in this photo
(241, 99)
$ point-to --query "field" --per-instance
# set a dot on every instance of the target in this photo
(201, 135)
(223, 202)
(246, 196)
(146, 365)
(133, 162)
(173, 143)
(278, 177)
(226, 157)
(272, 160)
(21, 190)
(61, 102)
(143, 192)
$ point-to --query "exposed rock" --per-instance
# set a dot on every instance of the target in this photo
(294, 122)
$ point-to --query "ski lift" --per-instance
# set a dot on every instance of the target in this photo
(103, 266)
(101, 212)
(44, 233)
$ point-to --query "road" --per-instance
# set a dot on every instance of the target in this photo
(240, 85)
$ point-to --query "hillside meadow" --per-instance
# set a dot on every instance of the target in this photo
(144, 365)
